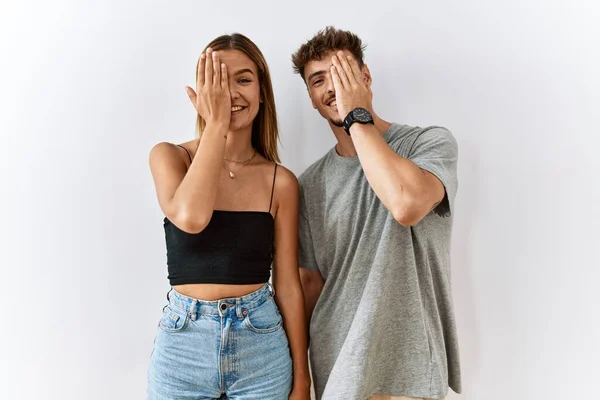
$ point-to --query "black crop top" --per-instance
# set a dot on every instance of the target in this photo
(236, 247)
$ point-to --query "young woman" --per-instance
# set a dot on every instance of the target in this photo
(230, 213)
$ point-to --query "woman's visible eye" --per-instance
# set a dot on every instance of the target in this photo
(244, 81)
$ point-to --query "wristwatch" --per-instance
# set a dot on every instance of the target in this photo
(360, 115)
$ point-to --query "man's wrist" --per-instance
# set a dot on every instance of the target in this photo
(362, 130)
(357, 116)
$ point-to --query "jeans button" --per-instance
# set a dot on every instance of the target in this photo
(223, 306)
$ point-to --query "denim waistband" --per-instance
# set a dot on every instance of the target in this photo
(237, 306)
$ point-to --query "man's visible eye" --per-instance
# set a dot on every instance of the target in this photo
(317, 81)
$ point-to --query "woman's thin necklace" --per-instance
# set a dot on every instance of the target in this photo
(243, 162)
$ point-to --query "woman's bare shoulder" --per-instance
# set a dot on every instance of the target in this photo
(286, 179)
(165, 151)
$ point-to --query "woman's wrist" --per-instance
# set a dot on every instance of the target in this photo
(217, 127)
(301, 380)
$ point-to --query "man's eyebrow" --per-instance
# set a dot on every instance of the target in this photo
(315, 74)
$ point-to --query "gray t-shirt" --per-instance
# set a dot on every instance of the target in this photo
(384, 321)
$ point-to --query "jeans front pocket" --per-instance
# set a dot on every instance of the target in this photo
(264, 318)
(173, 319)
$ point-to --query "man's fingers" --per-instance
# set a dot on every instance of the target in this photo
(346, 67)
(355, 69)
(340, 70)
(337, 83)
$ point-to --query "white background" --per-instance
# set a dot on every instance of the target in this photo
(87, 88)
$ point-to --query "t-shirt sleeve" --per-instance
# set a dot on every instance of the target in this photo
(306, 250)
(435, 150)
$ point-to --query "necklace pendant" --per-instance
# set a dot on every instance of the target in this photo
(231, 175)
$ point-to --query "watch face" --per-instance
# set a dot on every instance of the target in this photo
(361, 115)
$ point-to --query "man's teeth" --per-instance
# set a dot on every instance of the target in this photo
(236, 108)
(333, 103)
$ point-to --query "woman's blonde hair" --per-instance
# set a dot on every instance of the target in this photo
(265, 133)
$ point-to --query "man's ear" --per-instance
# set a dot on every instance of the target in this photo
(366, 75)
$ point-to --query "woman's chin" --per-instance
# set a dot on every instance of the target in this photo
(239, 126)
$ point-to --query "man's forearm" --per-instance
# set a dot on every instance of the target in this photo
(312, 290)
(403, 187)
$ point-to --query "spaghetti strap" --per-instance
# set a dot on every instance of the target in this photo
(187, 151)
(273, 188)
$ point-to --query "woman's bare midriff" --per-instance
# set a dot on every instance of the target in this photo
(214, 291)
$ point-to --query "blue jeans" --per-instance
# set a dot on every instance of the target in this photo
(226, 349)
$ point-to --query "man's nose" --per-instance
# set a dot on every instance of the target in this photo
(330, 87)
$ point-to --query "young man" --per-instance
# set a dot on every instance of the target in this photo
(375, 227)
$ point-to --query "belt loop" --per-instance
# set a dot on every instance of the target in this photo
(238, 308)
(192, 310)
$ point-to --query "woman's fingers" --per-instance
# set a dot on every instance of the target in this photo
(200, 72)
(208, 68)
(216, 69)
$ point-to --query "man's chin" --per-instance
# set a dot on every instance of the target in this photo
(337, 122)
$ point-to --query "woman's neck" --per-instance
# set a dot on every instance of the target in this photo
(239, 145)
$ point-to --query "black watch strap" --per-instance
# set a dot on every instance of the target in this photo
(360, 115)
